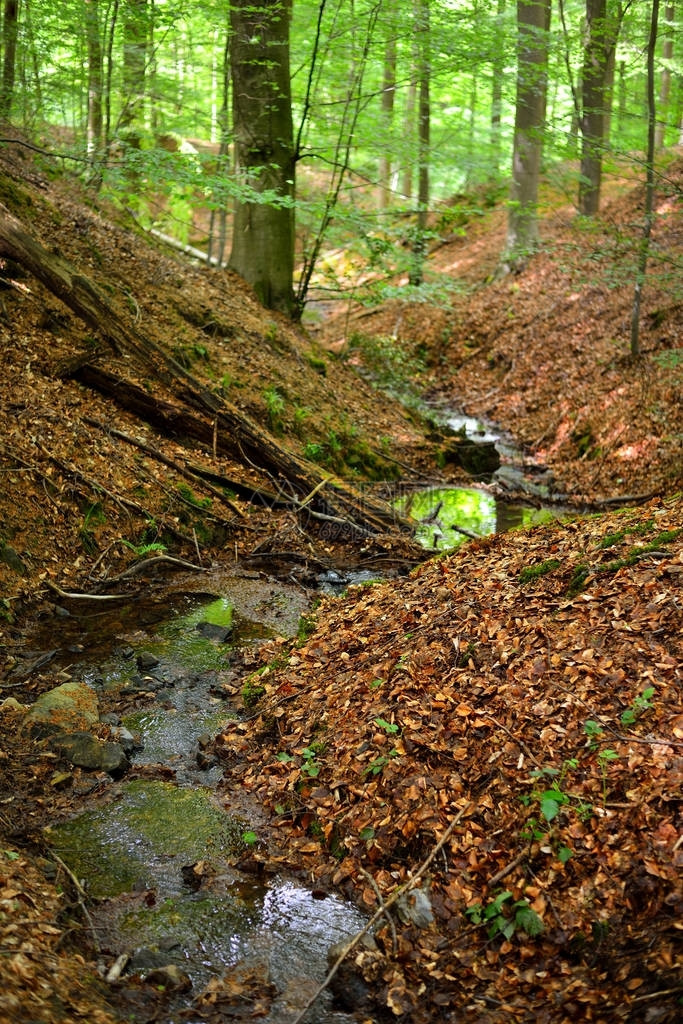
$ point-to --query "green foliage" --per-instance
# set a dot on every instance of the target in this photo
(379, 763)
(305, 628)
(503, 916)
(142, 550)
(640, 705)
(275, 407)
(188, 495)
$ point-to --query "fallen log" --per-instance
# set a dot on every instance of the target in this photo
(294, 477)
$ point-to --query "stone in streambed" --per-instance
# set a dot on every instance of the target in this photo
(84, 750)
(71, 707)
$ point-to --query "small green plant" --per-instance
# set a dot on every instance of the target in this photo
(379, 764)
(142, 550)
(604, 758)
(504, 916)
(249, 838)
(532, 572)
(389, 727)
(640, 705)
(275, 407)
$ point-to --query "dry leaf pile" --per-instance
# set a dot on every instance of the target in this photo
(532, 683)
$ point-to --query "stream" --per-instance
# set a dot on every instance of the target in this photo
(156, 851)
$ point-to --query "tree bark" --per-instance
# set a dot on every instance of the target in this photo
(533, 24)
(95, 76)
(10, 31)
(598, 49)
(263, 230)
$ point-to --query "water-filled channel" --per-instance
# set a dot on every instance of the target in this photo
(446, 516)
(141, 850)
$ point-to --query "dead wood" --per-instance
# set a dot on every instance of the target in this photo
(218, 423)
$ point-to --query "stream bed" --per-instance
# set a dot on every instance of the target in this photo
(155, 851)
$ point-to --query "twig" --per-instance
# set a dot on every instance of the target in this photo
(508, 868)
(352, 943)
(80, 896)
(389, 919)
(84, 597)
(134, 570)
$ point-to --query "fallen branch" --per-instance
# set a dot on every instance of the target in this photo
(410, 884)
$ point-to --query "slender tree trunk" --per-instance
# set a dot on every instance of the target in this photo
(665, 79)
(650, 183)
(135, 36)
(263, 231)
(497, 70)
(95, 77)
(416, 274)
(10, 32)
(533, 25)
(388, 94)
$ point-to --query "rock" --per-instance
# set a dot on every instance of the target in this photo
(171, 977)
(10, 557)
(145, 661)
(214, 632)
(126, 739)
(71, 707)
(87, 751)
(415, 907)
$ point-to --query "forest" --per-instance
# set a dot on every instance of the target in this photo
(341, 515)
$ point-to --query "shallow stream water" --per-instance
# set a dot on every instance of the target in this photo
(131, 848)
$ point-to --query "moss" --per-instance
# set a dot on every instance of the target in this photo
(532, 572)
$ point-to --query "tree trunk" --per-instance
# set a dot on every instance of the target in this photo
(416, 273)
(497, 69)
(388, 94)
(263, 231)
(95, 77)
(599, 45)
(649, 185)
(665, 79)
(135, 32)
(533, 24)
(196, 409)
(10, 31)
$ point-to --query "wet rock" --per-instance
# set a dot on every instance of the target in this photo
(415, 907)
(146, 660)
(84, 750)
(214, 632)
(71, 707)
(350, 990)
(128, 740)
(171, 977)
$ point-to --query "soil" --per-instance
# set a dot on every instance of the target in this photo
(458, 693)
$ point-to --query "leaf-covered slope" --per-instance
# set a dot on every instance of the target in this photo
(531, 682)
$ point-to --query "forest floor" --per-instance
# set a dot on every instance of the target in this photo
(518, 699)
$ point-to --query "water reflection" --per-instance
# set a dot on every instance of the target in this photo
(446, 516)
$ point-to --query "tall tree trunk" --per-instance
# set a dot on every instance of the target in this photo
(665, 79)
(10, 32)
(497, 70)
(649, 185)
(601, 30)
(263, 230)
(388, 94)
(533, 25)
(416, 274)
(135, 36)
(95, 77)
